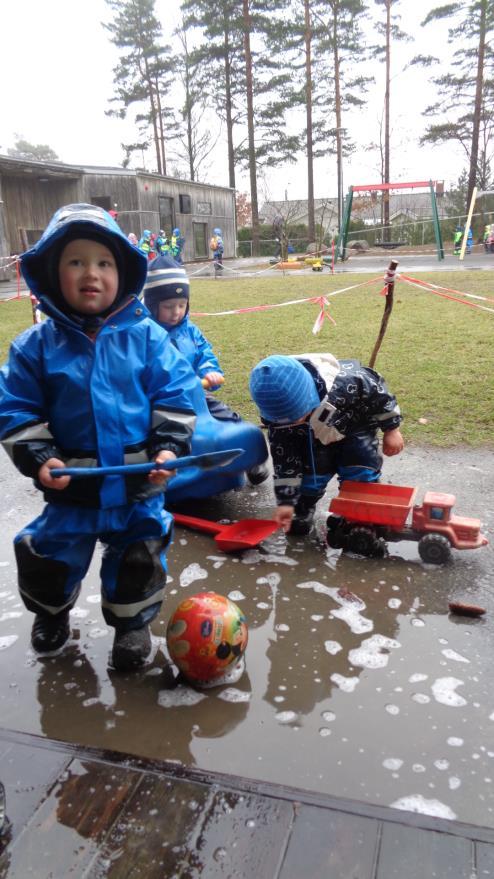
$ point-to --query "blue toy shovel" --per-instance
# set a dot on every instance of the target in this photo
(208, 461)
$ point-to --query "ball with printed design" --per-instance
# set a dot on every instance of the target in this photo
(206, 635)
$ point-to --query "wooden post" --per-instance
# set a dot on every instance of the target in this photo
(389, 281)
(467, 224)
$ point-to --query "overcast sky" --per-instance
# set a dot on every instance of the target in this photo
(56, 71)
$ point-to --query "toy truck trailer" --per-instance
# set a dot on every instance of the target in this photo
(364, 516)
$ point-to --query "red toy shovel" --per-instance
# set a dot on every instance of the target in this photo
(243, 534)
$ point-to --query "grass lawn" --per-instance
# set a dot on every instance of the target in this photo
(437, 355)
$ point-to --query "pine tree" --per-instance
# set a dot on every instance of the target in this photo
(143, 75)
(390, 32)
(219, 61)
(194, 137)
(341, 45)
(323, 43)
(38, 152)
(466, 94)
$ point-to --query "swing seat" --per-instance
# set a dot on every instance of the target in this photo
(389, 245)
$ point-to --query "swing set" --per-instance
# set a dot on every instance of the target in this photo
(341, 244)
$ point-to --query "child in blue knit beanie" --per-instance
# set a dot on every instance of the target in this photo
(322, 417)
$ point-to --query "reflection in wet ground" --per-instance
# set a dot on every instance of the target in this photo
(358, 682)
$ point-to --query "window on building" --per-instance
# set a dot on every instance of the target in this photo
(200, 233)
(102, 201)
(166, 212)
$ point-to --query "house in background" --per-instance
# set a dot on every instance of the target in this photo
(294, 212)
(30, 192)
(404, 207)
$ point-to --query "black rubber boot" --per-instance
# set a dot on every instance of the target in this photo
(50, 632)
(131, 649)
(258, 474)
(302, 519)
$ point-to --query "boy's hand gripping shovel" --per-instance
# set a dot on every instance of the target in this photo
(208, 461)
(243, 534)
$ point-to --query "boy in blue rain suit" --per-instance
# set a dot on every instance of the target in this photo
(96, 383)
(177, 244)
(166, 295)
(322, 416)
(217, 246)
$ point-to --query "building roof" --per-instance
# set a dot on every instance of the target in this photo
(12, 165)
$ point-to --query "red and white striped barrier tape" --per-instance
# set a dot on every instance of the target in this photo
(446, 292)
(322, 301)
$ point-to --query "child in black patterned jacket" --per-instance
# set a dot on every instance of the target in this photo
(323, 417)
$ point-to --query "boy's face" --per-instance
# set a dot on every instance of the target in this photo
(293, 423)
(88, 276)
(171, 311)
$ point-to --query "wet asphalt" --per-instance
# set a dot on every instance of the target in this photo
(386, 699)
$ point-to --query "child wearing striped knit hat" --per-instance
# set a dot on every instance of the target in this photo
(166, 294)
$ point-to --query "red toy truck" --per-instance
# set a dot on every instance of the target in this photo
(364, 515)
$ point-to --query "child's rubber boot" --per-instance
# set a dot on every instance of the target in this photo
(258, 474)
(50, 632)
(131, 648)
(302, 522)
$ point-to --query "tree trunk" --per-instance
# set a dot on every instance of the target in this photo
(474, 153)
(308, 103)
(161, 130)
(250, 129)
(188, 113)
(229, 111)
(339, 130)
(150, 88)
(386, 232)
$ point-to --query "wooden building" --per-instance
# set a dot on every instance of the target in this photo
(30, 192)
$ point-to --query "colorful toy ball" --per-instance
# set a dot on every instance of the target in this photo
(206, 635)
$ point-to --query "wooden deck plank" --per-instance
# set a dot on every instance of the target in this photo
(91, 813)
(330, 845)
(409, 853)
(69, 826)
(153, 834)
(26, 774)
(243, 836)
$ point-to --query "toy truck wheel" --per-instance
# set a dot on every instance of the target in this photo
(363, 541)
(434, 549)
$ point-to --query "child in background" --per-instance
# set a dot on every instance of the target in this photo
(458, 238)
(145, 245)
(322, 417)
(166, 294)
(177, 244)
(217, 246)
(96, 383)
(161, 244)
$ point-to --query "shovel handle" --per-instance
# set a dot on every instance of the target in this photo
(204, 462)
(117, 470)
(197, 524)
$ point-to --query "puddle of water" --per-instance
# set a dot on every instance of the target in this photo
(358, 682)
